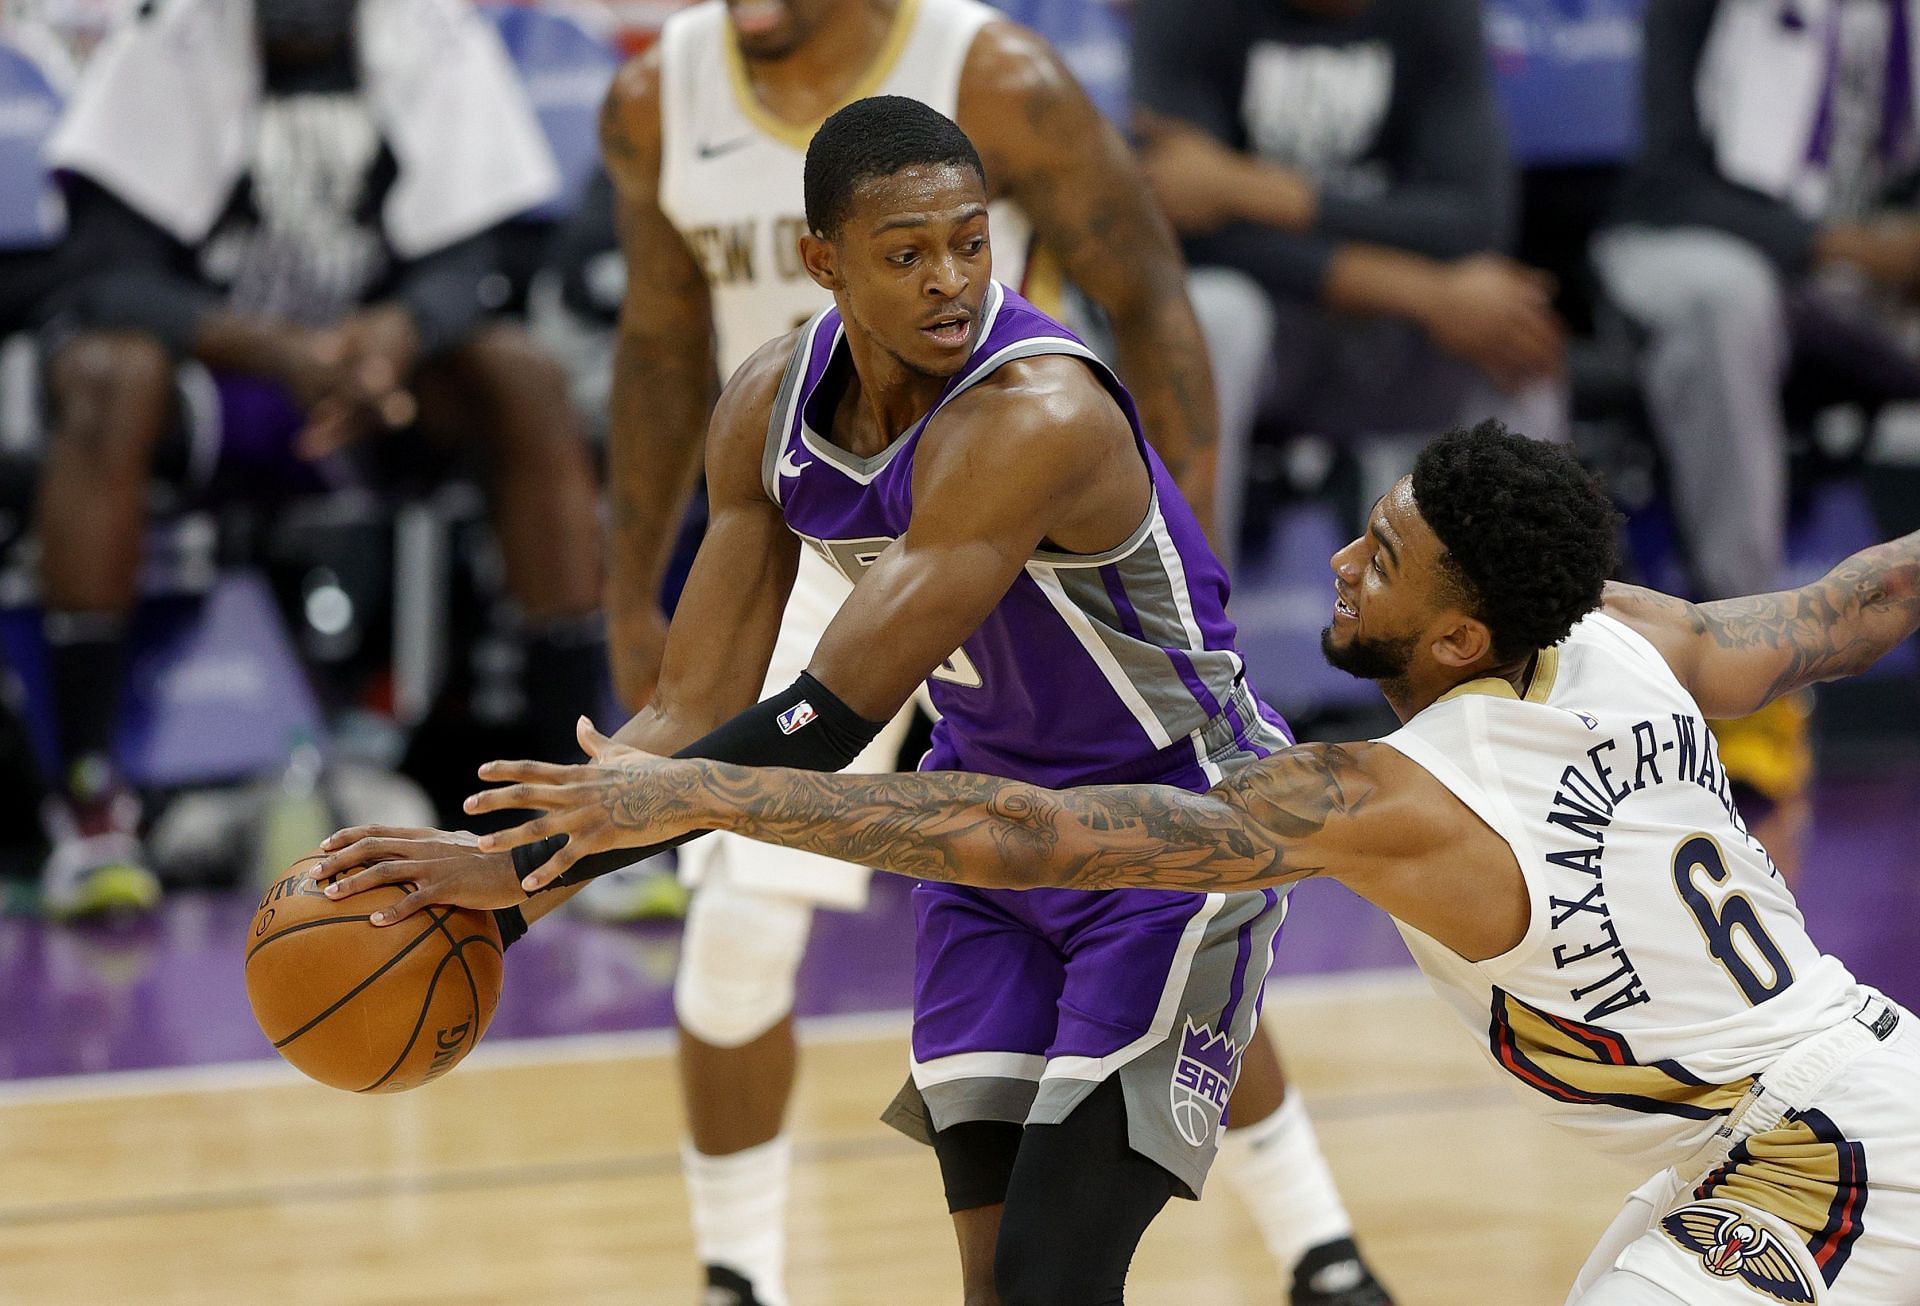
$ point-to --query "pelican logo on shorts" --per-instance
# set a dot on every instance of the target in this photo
(1731, 1246)
(1202, 1081)
(800, 714)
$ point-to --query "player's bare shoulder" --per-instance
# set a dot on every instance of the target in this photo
(1048, 406)
(745, 407)
(1012, 85)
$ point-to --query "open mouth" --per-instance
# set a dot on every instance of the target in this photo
(950, 330)
(1342, 608)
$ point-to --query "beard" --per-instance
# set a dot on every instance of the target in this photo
(1384, 660)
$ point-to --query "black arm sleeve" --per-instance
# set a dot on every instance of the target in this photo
(139, 283)
(1452, 188)
(1677, 182)
(805, 727)
(442, 291)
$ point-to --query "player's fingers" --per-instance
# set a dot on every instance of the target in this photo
(407, 906)
(554, 867)
(531, 832)
(507, 798)
(355, 833)
(596, 744)
(544, 773)
(364, 852)
(370, 877)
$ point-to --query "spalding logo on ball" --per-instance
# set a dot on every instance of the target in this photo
(364, 1008)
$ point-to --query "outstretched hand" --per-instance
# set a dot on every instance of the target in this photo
(621, 797)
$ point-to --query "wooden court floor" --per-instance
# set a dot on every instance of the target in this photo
(547, 1174)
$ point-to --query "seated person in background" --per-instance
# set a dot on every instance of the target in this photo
(1769, 214)
(1338, 173)
(296, 193)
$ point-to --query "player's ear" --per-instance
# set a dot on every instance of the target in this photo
(1462, 642)
(819, 258)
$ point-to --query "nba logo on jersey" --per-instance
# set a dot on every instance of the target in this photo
(1202, 1081)
(793, 718)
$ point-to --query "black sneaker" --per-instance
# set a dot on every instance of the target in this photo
(1333, 1274)
(727, 1288)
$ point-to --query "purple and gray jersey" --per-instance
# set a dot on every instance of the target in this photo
(1094, 668)
(1106, 668)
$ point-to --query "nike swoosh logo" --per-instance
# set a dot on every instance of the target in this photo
(787, 466)
(714, 149)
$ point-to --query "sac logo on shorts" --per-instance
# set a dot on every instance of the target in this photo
(1731, 1246)
(1202, 1081)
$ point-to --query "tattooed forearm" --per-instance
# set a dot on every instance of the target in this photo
(1265, 826)
(1838, 626)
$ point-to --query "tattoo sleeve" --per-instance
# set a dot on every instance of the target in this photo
(1270, 824)
(1746, 652)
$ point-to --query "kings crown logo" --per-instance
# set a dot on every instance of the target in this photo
(1202, 1081)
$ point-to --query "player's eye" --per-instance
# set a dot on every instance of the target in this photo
(973, 246)
(906, 258)
(1377, 568)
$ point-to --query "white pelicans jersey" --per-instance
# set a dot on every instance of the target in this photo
(1665, 964)
(730, 172)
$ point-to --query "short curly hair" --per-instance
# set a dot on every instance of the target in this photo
(876, 137)
(1528, 533)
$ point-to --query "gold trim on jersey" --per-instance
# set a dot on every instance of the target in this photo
(1545, 668)
(1806, 1173)
(797, 135)
(1044, 280)
(1571, 1061)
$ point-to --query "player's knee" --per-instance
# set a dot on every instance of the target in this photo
(737, 963)
(99, 373)
(1625, 1288)
(1033, 1266)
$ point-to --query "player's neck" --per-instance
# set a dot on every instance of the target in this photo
(1421, 688)
(883, 399)
(815, 78)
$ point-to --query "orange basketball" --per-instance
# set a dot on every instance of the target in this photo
(365, 1008)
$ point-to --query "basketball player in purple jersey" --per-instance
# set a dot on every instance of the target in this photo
(1015, 543)
(704, 138)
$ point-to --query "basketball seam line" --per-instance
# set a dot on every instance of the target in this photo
(419, 1021)
(303, 925)
(357, 989)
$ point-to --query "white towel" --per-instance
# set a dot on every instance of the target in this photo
(1762, 85)
(166, 112)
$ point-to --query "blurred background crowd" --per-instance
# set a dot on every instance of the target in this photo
(304, 352)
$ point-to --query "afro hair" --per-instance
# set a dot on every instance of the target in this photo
(1528, 532)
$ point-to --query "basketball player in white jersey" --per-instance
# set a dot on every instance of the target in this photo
(1553, 830)
(704, 136)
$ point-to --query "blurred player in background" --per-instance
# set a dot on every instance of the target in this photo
(704, 137)
(297, 194)
(1554, 830)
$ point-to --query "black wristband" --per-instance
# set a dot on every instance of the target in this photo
(512, 923)
(805, 727)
